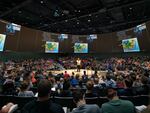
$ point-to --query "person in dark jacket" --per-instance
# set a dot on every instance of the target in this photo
(43, 104)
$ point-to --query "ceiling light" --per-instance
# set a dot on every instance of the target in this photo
(77, 22)
(89, 20)
(41, 2)
(19, 11)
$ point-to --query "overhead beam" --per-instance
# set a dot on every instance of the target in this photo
(15, 8)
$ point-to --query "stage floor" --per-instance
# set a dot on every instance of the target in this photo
(88, 72)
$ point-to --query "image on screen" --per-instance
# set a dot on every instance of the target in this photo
(63, 36)
(80, 48)
(51, 47)
(2, 41)
(130, 45)
(91, 37)
(12, 27)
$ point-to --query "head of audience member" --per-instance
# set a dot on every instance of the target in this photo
(66, 85)
(73, 74)
(27, 76)
(90, 89)
(96, 81)
(112, 93)
(24, 86)
(44, 88)
(89, 85)
(108, 77)
(65, 72)
(78, 98)
(84, 72)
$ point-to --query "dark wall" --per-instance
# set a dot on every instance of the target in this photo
(29, 40)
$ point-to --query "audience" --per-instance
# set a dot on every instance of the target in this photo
(129, 76)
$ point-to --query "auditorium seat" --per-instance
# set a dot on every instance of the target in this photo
(65, 102)
(21, 101)
(142, 100)
(92, 100)
(102, 100)
(137, 100)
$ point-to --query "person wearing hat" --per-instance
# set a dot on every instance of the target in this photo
(116, 105)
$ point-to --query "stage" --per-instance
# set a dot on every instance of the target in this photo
(88, 72)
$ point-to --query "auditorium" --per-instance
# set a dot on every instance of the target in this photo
(75, 56)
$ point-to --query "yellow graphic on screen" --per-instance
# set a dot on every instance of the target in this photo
(129, 44)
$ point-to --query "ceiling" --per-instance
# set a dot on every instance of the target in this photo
(76, 16)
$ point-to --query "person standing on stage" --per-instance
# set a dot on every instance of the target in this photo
(78, 64)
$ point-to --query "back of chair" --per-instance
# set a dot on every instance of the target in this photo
(92, 100)
(102, 100)
(141, 100)
(65, 102)
(5, 99)
(21, 101)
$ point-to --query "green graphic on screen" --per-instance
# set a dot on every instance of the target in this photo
(51, 47)
(2, 41)
(130, 45)
(80, 48)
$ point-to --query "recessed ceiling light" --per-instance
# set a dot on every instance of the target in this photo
(19, 11)
(90, 15)
(77, 22)
(79, 11)
(41, 2)
(89, 20)
(66, 20)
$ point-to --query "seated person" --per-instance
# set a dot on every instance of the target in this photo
(9, 86)
(66, 92)
(82, 107)
(89, 91)
(43, 104)
(116, 105)
(24, 90)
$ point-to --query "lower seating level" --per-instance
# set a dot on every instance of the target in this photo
(68, 101)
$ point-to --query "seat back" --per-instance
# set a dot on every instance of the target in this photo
(21, 101)
(65, 102)
(102, 100)
(92, 100)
